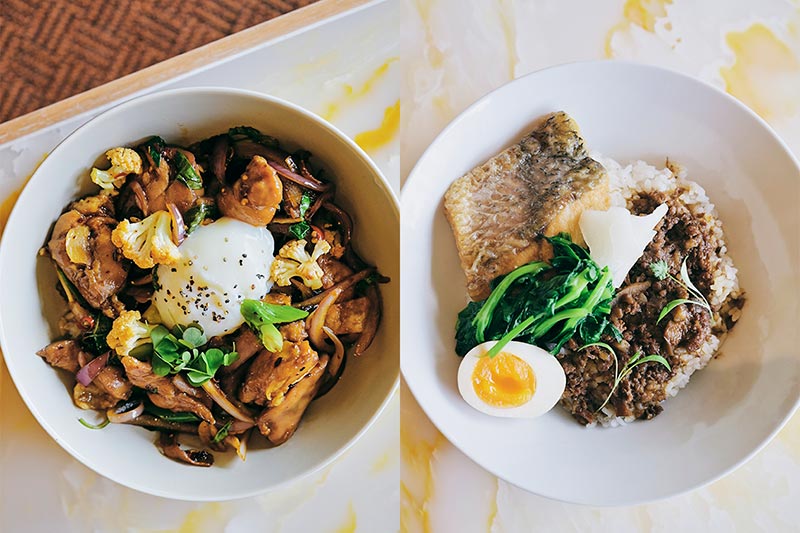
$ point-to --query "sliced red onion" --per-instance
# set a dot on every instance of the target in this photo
(90, 370)
(127, 416)
(238, 427)
(372, 321)
(338, 355)
(344, 221)
(316, 320)
(178, 227)
(226, 404)
(343, 285)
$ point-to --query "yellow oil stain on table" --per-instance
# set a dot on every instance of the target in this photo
(208, 517)
(352, 94)
(383, 462)
(417, 458)
(8, 204)
(373, 140)
(350, 523)
(765, 74)
(493, 506)
(641, 13)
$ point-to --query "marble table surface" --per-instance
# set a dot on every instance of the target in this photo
(354, 84)
(750, 49)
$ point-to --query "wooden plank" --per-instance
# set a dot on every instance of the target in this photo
(174, 67)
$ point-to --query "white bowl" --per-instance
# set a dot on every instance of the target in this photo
(729, 410)
(30, 304)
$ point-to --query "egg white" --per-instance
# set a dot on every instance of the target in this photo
(222, 264)
(550, 380)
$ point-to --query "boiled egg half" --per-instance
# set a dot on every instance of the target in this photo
(522, 381)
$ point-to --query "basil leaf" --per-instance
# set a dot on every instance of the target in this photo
(154, 145)
(305, 203)
(246, 132)
(197, 214)
(300, 230)
(187, 173)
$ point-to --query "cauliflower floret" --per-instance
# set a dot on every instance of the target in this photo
(127, 332)
(293, 260)
(148, 242)
(124, 161)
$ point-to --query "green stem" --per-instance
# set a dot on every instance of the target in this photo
(484, 316)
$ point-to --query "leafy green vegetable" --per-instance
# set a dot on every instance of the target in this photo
(305, 203)
(197, 214)
(180, 351)
(154, 145)
(95, 340)
(542, 304)
(660, 270)
(632, 363)
(170, 416)
(186, 172)
(222, 433)
(246, 132)
(262, 317)
(101, 425)
(300, 229)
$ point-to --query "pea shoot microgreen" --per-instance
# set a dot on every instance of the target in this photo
(180, 351)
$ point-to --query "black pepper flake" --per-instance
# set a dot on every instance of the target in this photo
(278, 362)
(173, 269)
(244, 255)
(241, 263)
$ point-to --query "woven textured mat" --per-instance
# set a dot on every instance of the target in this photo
(52, 49)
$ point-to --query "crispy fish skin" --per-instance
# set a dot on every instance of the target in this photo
(500, 211)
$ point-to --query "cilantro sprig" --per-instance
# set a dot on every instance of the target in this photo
(180, 350)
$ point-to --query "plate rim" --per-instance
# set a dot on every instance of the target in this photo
(415, 175)
(64, 144)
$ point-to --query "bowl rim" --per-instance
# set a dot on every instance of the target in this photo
(64, 144)
(416, 175)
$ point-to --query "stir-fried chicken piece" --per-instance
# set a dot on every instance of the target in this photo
(271, 374)
(92, 397)
(162, 391)
(278, 423)
(62, 354)
(255, 196)
(81, 246)
(348, 317)
(112, 381)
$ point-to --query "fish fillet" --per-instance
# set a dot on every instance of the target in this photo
(500, 211)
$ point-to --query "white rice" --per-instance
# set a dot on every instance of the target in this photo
(626, 182)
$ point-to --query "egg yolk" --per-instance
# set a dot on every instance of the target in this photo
(505, 380)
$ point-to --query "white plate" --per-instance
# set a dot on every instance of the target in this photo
(29, 305)
(729, 410)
